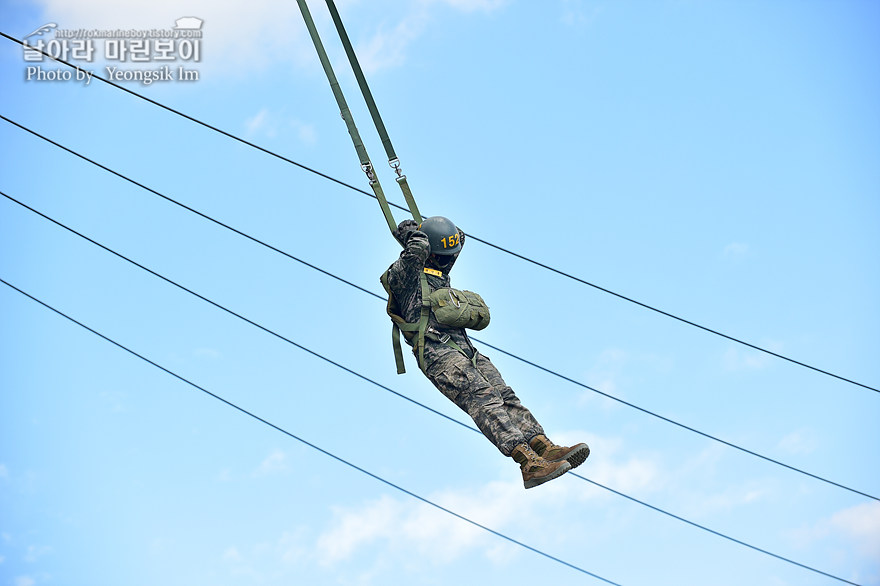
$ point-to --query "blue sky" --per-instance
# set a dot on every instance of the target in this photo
(717, 160)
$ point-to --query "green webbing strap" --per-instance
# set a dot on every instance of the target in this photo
(420, 328)
(423, 327)
(393, 160)
(455, 346)
(359, 74)
(398, 350)
(366, 165)
(423, 318)
(407, 195)
(380, 197)
(426, 311)
(398, 324)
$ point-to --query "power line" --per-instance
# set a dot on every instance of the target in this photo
(512, 355)
(218, 306)
(486, 242)
(314, 446)
(547, 267)
(400, 395)
(676, 423)
(189, 209)
(719, 534)
(673, 316)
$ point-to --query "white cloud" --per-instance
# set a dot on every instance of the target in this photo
(257, 122)
(354, 528)
(737, 358)
(694, 481)
(861, 526)
(232, 555)
(855, 530)
(411, 529)
(635, 473)
(267, 561)
(576, 13)
(261, 34)
(305, 132)
(472, 5)
(235, 38)
(606, 372)
(802, 442)
(4, 472)
(402, 529)
(387, 48)
(271, 124)
(365, 542)
(615, 369)
(735, 497)
(24, 581)
(290, 547)
(35, 552)
(275, 463)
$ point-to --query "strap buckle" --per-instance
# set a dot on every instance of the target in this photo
(367, 168)
(395, 164)
(442, 337)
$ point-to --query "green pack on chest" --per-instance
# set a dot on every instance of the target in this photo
(451, 308)
(459, 309)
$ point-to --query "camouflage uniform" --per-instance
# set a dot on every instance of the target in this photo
(478, 390)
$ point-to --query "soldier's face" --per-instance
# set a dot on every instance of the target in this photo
(443, 260)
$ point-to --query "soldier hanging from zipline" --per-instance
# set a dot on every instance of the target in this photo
(433, 318)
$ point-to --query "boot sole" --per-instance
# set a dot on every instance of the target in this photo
(538, 481)
(577, 456)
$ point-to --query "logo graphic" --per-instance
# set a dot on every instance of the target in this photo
(43, 30)
(188, 22)
(172, 52)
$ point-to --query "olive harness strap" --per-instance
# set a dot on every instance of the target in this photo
(420, 329)
(366, 165)
(393, 160)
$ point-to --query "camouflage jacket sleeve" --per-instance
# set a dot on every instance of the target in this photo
(404, 274)
(404, 280)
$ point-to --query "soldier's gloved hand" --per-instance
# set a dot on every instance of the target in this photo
(461, 236)
(404, 230)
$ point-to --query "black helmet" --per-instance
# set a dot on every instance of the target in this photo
(442, 234)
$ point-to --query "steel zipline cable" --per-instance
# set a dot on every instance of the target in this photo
(383, 299)
(314, 446)
(398, 394)
(476, 238)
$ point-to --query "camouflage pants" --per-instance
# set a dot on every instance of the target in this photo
(483, 394)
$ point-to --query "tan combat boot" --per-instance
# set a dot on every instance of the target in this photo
(575, 455)
(535, 469)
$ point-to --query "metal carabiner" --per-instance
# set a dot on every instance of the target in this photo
(368, 169)
(395, 164)
(454, 301)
